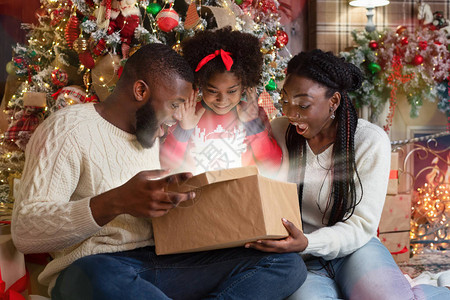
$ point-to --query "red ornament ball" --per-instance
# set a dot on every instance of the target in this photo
(167, 19)
(423, 45)
(404, 41)
(418, 59)
(282, 39)
(59, 77)
(373, 45)
(86, 59)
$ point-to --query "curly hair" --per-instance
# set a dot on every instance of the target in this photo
(245, 51)
(337, 76)
(155, 63)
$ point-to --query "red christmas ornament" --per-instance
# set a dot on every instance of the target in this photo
(373, 45)
(267, 5)
(86, 59)
(72, 30)
(167, 19)
(418, 59)
(423, 45)
(59, 77)
(99, 48)
(282, 39)
(404, 41)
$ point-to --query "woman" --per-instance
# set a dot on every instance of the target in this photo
(341, 165)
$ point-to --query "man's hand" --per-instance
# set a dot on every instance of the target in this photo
(145, 195)
(250, 110)
(187, 115)
(295, 242)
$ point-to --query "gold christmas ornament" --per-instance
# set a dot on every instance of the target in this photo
(87, 80)
(80, 45)
(177, 48)
(134, 49)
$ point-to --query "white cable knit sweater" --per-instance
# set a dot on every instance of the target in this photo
(74, 155)
(372, 150)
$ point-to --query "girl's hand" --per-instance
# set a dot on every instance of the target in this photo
(186, 115)
(295, 242)
(250, 110)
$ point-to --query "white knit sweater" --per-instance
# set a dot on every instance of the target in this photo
(74, 155)
(372, 150)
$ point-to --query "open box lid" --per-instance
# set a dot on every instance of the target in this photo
(211, 177)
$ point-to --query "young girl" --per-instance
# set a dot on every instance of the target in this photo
(341, 164)
(224, 130)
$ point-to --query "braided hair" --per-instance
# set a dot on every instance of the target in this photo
(337, 76)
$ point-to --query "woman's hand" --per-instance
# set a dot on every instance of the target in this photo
(187, 115)
(250, 110)
(295, 242)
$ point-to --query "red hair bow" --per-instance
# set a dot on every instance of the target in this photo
(226, 58)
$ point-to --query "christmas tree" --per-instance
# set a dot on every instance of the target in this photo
(415, 63)
(76, 54)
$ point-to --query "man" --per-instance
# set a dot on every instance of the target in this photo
(92, 183)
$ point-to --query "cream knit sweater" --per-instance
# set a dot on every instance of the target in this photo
(372, 150)
(74, 155)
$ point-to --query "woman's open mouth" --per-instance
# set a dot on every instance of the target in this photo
(301, 127)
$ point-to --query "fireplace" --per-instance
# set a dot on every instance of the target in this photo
(425, 173)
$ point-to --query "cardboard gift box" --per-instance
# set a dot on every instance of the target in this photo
(398, 244)
(231, 207)
(396, 215)
(393, 175)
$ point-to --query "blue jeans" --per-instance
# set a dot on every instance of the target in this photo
(236, 273)
(368, 273)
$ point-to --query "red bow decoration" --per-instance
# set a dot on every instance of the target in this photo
(226, 58)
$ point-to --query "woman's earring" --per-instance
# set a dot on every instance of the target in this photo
(333, 116)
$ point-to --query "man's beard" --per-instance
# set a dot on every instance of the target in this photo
(146, 125)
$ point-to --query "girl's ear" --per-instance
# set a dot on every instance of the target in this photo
(141, 90)
(335, 100)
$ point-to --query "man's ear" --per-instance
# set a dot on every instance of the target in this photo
(141, 90)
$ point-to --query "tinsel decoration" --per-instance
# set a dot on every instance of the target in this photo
(72, 30)
(59, 77)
